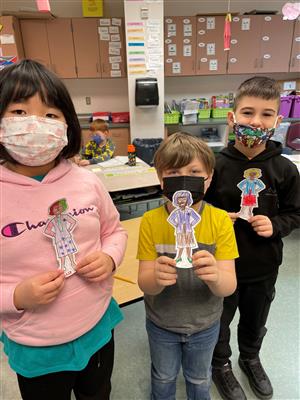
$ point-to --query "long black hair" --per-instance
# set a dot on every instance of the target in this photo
(23, 80)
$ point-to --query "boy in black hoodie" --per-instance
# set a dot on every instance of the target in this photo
(260, 190)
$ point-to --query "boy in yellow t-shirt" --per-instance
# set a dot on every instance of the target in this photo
(184, 305)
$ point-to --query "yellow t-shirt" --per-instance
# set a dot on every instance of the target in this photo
(188, 306)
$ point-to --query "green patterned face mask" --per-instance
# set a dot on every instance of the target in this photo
(250, 136)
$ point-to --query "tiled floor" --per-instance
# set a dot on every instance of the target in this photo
(280, 353)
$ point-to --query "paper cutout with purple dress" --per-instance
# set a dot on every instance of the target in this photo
(184, 218)
(250, 187)
(60, 229)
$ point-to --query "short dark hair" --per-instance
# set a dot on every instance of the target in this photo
(258, 86)
(23, 80)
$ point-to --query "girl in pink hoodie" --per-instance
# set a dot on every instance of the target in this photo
(60, 242)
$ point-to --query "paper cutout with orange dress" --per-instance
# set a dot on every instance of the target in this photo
(60, 229)
(250, 187)
(184, 218)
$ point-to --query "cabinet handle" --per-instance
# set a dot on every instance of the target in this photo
(261, 63)
(97, 67)
(103, 67)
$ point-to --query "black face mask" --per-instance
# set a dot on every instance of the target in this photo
(194, 184)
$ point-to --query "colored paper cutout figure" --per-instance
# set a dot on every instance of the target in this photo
(60, 228)
(250, 187)
(184, 218)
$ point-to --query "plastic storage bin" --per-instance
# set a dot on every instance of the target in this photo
(172, 118)
(295, 109)
(146, 148)
(285, 105)
(204, 113)
(119, 117)
(220, 112)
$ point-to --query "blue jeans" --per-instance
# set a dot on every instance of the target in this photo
(170, 350)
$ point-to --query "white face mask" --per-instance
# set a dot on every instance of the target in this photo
(33, 141)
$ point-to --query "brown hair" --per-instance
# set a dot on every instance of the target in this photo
(179, 150)
(258, 86)
(99, 125)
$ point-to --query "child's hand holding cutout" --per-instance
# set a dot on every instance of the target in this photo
(96, 267)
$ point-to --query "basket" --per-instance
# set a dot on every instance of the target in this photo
(172, 118)
(204, 113)
(220, 112)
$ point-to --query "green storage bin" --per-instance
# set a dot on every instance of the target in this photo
(204, 113)
(172, 118)
(220, 112)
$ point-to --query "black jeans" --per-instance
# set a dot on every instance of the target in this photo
(92, 383)
(253, 301)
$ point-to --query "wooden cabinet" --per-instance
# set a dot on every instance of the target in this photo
(276, 42)
(295, 55)
(121, 138)
(112, 47)
(180, 46)
(211, 57)
(11, 42)
(51, 43)
(35, 40)
(61, 47)
(259, 44)
(87, 52)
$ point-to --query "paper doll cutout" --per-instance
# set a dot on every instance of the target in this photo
(60, 228)
(184, 218)
(250, 187)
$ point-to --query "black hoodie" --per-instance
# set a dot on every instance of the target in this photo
(280, 201)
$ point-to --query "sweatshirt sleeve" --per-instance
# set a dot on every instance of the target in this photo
(106, 154)
(7, 299)
(288, 217)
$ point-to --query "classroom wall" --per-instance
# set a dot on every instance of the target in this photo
(112, 94)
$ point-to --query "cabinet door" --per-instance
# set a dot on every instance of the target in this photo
(121, 138)
(112, 47)
(295, 56)
(61, 47)
(86, 44)
(11, 27)
(244, 53)
(35, 40)
(211, 57)
(180, 46)
(276, 43)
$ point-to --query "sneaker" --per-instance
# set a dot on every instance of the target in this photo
(227, 384)
(258, 379)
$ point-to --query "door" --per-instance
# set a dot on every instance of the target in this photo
(180, 46)
(61, 47)
(86, 44)
(211, 57)
(35, 40)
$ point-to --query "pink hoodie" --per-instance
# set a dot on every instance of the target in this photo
(25, 251)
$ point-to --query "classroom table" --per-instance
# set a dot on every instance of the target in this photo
(124, 177)
(125, 292)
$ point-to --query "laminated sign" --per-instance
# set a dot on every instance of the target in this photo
(92, 8)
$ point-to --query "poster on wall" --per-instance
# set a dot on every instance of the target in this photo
(5, 61)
